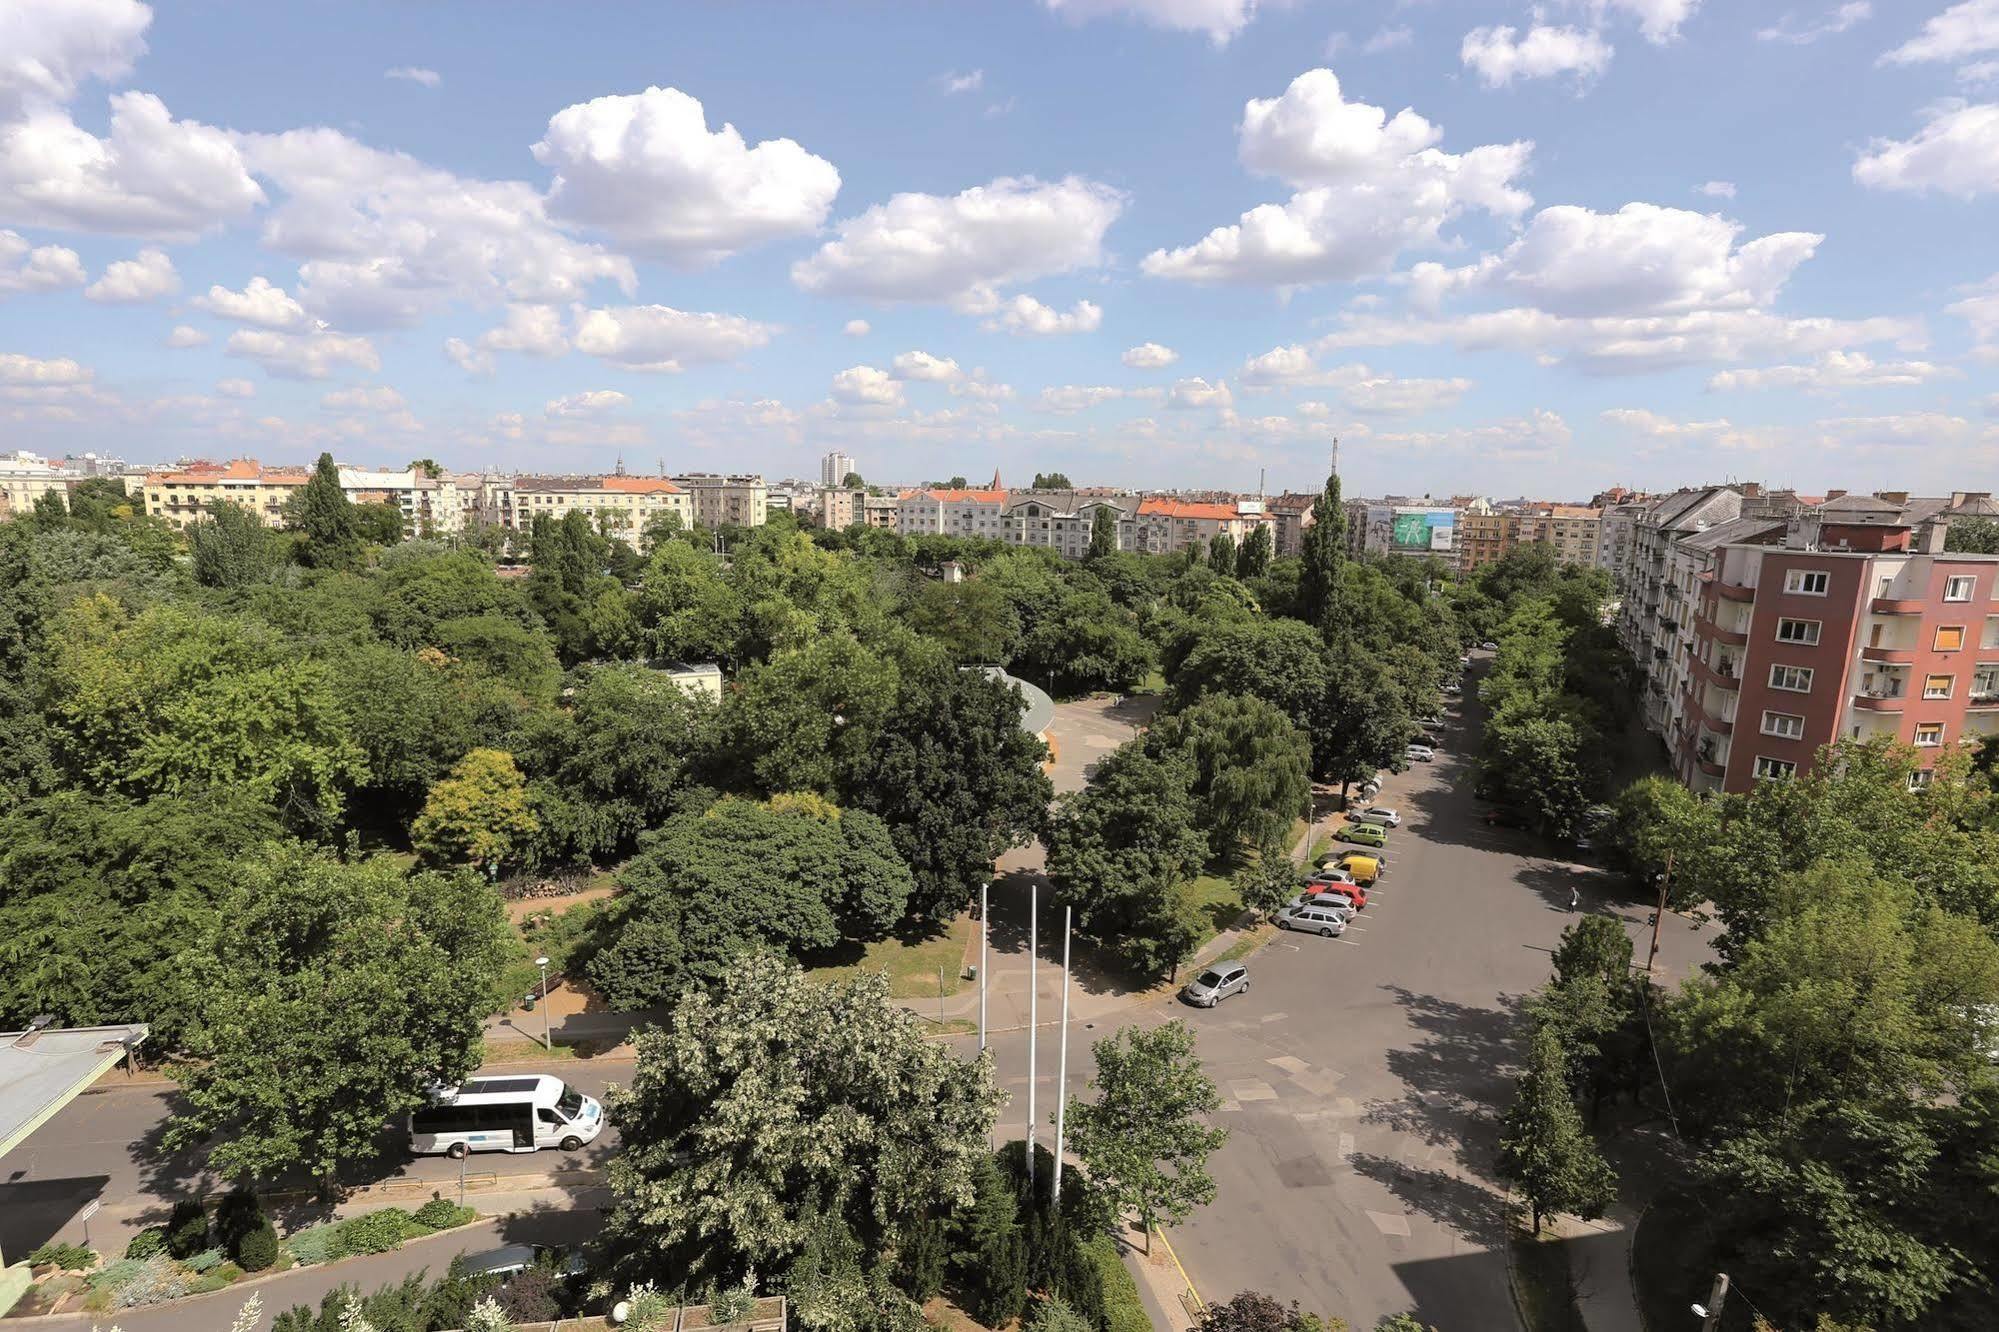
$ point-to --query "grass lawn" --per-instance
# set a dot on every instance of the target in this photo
(1215, 899)
(911, 961)
(1542, 1284)
(1243, 947)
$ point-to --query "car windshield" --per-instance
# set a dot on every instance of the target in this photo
(1210, 979)
(570, 1103)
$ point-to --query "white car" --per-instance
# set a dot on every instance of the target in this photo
(1322, 921)
(1319, 899)
(1489, 647)
(1453, 687)
(1381, 814)
(1422, 753)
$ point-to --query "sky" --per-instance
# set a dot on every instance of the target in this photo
(1489, 246)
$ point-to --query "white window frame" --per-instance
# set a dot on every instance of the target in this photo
(1817, 627)
(1774, 769)
(1949, 686)
(1804, 671)
(1773, 725)
(1921, 743)
(1967, 581)
(1920, 779)
(1795, 581)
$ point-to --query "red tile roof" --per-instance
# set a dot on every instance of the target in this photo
(1166, 508)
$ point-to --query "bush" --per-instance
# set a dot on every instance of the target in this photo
(1123, 1310)
(151, 1240)
(258, 1249)
(131, 1282)
(442, 1214)
(317, 1244)
(187, 1228)
(239, 1214)
(375, 1232)
(68, 1257)
(229, 1272)
(530, 1296)
(213, 1281)
(205, 1261)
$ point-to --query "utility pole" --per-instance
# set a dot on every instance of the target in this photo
(1062, 1064)
(983, 889)
(1717, 1296)
(1033, 1010)
(1659, 916)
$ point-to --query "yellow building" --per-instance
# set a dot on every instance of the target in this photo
(182, 496)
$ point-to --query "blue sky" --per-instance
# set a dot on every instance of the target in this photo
(1492, 247)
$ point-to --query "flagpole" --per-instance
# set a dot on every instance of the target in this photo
(1062, 1065)
(983, 888)
(1033, 1009)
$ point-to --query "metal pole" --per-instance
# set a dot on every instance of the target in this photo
(1659, 916)
(940, 996)
(982, 965)
(547, 1037)
(1716, 1296)
(1033, 1009)
(1062, 1064)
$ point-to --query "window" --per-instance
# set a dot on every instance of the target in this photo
(1807, 582)
(1797, 679)
(1950, 637)
(1783, 725)
(1938, 686)
(1929, 734)
(1767, 768)
(1958, 587)
(1919, 780)
(1798, 631)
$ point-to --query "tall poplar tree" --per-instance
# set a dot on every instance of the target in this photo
(1323, 555)
(322, 511)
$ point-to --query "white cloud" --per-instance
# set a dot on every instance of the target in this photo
(1024, 315)
(1978, 73)
(932, 248)
(1835, 370)
(259, 303)
(857, 328)
(1067, 399)
(1296, 367)
(49, 48)
(535, 330)
(1956, 152)
(1924, 430)
(1149, 356)
(1659, 20)
(36, 268)
(1980, 309)
(661, 338)
(645, 170)
(388, 239)
(1370, 187)
(592, 403)
(184, 336)
(429, 78)
(1219, 19)
(921, 365)
(1968, 28)
(364, 398)
(1387, 39)
(1385, 395)
(1834, 21)
(1539, 435)
(1502, 54)
(1716, 189)
(303, 355)
(981, 391)
(472, 360)
(1197, 392)
(1643, 423)
(236, 388)
(147, 276)
(954, 83)
(865, 386)
(20, 371)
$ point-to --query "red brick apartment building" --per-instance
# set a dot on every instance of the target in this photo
(1850, 620)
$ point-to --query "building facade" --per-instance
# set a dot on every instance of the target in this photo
(1290, 514)
(833, 469)
(940, 511)
(726, 501)
(1401, 527)
(1062, 521)
(26, 477)
(1166, 526)
(840, 509)
(182, 495)
(620, 506)
(431, 506)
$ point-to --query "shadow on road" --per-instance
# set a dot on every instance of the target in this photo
(1462, 1066)
(1474, 1209)
(35, 1211)
(1007, 935)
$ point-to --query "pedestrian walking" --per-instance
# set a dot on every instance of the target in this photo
(1575, 897)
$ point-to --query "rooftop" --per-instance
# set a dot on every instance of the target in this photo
(1166, 508)
(41, 1070)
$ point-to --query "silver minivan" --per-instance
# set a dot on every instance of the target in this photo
(1327, 922)
(1216, 983)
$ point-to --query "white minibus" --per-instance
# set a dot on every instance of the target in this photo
(506, 1114)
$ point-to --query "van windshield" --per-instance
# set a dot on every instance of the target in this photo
(570, 1103)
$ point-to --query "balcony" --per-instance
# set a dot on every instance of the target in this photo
(1670, 626)
(1730, 637)
(1888, 656)
(1659, 654)
(1985, 701)
(1719, 725)
(1894, 606)
(1880, 700)
(1735, 592)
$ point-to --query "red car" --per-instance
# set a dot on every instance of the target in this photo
(1352, 890)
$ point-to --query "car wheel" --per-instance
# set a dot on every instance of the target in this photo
(1325, 934)
(572, 1144)
(1283, 925)
(456, 1151)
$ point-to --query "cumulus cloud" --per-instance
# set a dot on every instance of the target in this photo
(1541, 434)
(25, 267)
(1295, 366)
(1716, 189)
(958, 249)
(593, 403)
(1968, 28)
(645, 170)
(17, 370)
(1024, 315)
(183, 336)
(1197, 392)
(1659, 20)
(1955, 152)
(1149, 356)
(663, 339)
(1980, 309)
(866, 386)
(1643, 423)
(260, 303)
(921, 365)
(236, 388)
(857, 328)
(1369, 186)
(1923, 430)
(1502, 54)
(429, 78)
(1803, 32)
(535, 330)
(364, 398)
(1835, 370)
(52, 47)
(147, 276)
(1219, 19)
(303, 355)
(1068, 399)
(1385, 395)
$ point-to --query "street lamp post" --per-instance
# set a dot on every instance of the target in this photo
(547, 1040)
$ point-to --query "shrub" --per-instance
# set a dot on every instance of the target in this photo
(205, 1261)
(229, 1272)
(238, 1215)
(68, 1257)
(732, 1304)
(374, 1232)
(151, 1240)
(187, 1228)
(203, 1284)
(530, 1296)
(316, 1244)
(442, 1214)
(1123, 1310)
(131, 1282)
(258, 1249)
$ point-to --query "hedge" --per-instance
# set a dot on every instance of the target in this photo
(1123, 1310)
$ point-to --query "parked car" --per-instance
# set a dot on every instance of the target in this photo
(1508, 816)
(1347, 895)
(1489, 646)
(1216, 984)
(1422, 753)
(1381, 814)
(513, 1259)
(1361, 866)
(1327, 878)
(1364, 834)
(1309, 898)
(1324, 921)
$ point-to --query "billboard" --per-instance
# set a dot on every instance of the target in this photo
(1423, 531)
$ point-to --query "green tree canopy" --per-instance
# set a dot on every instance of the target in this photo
(1252, 768)
(324, 516)
(233, 548)
(1142, 1141)
(1544, 1148)
(478, 815)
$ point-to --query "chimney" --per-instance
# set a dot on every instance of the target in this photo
(1930, 537)
(1893, 496)
(1752, 490)
(1835, 494)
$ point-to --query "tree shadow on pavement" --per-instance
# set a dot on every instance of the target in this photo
(1459, 1075)
(1475, 1210)
(1007, 936)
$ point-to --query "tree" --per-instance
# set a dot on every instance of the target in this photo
(233, 548)
(1322, 558)
(974, 620)
(1252, 768)
(1363, 721)
(776, 1109)
(1594, 946)
(852, 481)
(329, 996)
(428, 467)
(1977, 536)
(379, 524)
(323, 514)
(1252, 559)
(1103, 532)
(1254, 1311)
(1544, 1148)
(479, 815)
(1052, 481)
(1142, 1140)
(1221, 554)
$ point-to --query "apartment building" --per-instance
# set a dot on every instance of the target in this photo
(1613, 534)
(1645, 607)
(943, 511)
(1062, 520)
(26, 477)
(1400, 526)
(431, 506)
(881, 511)
(182, 495)
(726, 501)
(1855, 623)
(1485, 538)
(620, 506)
(1571, 529)
(840, 509)
(1165, 526)
(833, 469)
(1290, 515)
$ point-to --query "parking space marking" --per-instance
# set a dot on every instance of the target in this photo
(1249, 1089)
(1390, 1223)
(1289, 1063)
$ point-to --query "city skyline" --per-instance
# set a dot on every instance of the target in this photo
(1461, 238)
